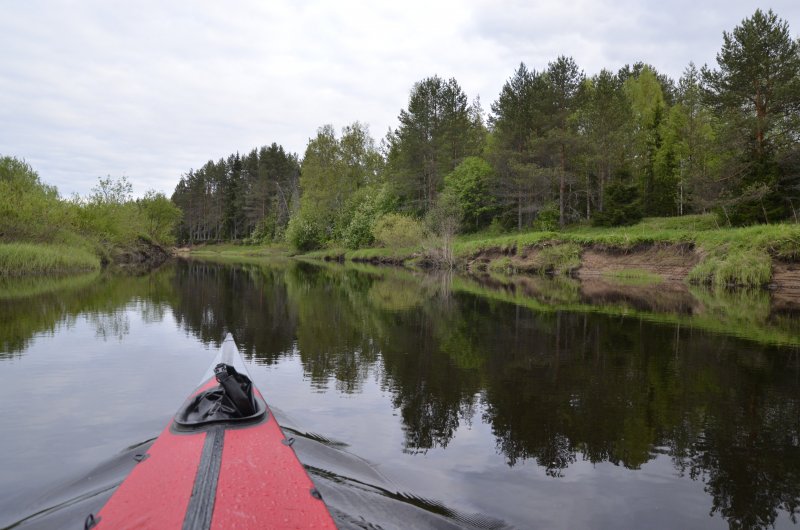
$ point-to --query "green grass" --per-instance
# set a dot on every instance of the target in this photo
(560, 259)
(730, 256)
(17, 259)
(633, 277)
(362, 254)
(234, 250)
(394, 254)
(556, 259)
(502, 265)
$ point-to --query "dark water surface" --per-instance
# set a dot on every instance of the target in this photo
(417, 401)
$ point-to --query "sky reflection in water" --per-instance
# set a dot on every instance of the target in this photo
(475, 410)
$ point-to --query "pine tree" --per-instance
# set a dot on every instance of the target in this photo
(437, 130)
(756, 91)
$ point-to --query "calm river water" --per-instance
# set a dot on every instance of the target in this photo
(417, 400)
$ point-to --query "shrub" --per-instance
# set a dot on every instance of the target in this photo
(362, 209)
(394, 230)
(304, 233)
(547, 219)
(469, 182)
(161, 216)
(29, 209)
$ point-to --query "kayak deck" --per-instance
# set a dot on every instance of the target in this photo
(226, 476)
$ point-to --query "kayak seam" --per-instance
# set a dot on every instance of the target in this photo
(204, 491)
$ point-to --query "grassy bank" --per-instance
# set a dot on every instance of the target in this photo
(43, 233)
(725, 256)
(17, 259)
(230, 250)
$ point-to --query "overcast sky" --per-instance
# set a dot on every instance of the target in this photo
(150, 89)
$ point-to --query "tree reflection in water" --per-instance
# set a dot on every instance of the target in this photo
(556, 386)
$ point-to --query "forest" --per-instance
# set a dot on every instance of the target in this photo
(557, 147)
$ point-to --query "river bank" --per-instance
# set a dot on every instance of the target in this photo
(36, 259)
(692, 250)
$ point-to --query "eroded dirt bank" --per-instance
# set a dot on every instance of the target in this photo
(669, 262)
(141, 255)
(666, 262)
(652, 278)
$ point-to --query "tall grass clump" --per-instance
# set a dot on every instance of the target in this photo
(28, 258)
(559, 258)
(736, 267)
(743, 256)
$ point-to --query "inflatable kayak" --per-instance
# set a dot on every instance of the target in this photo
(222, 462)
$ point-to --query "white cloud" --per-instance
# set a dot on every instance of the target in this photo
(151, 89)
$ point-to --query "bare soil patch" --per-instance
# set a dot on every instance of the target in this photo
(671, 262)
(786, 286)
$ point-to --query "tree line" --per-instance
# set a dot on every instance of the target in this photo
(557, 147)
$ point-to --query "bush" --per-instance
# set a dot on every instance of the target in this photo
(362, 209)
(469, 182)
(304, 233)
(161, 216)
(394, 230)
(107, 214)
(29, 209)
(547, 220)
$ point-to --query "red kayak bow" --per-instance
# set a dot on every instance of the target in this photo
(222, 462)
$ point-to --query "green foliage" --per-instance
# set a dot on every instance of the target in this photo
(334, 168)
(75, 234)
(340, 185)
(305, 232)
(502, 265)
(755, 91)
(469, 181)
(266, 230)
(547, 218)
(437, 130)
(559, 258)
(686, 158)
(111, 191)
(160, 215)
(444, 219)
(114, 224)
(622, 206)
(230, 198)
(361, 211)
(29, 209)
(109, 216)
(398, 231)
